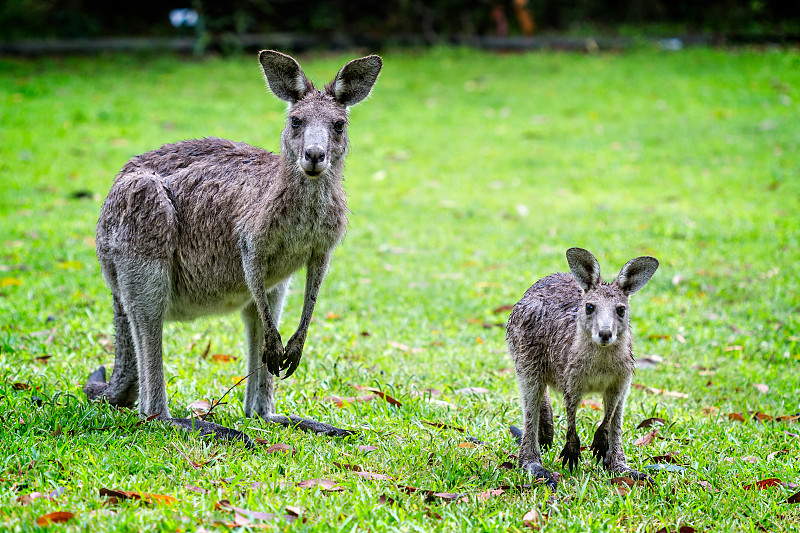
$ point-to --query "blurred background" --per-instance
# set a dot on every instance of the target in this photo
(236, 25)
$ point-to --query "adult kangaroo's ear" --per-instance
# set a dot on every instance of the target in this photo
(584, 268)
(354, 82)
(284, 76)
(636, 273)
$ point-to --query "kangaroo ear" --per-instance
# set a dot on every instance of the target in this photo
(584, 268)
(354, 82)
(636, 273)
(284, 76)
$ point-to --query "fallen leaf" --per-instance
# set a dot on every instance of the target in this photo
(709, 411)
(380, 393)
(20, 386)
(242, 516)
(762, 388)
(763, 417)
(671, 458)
(374, 476)
(448, 496)
(734, 348)
(787, 418)
(325, 484)
(281, 447)
(26, 499)
(223, 358)
(199, 408)
(472, 391)
(341, 401)
(195, 488)
(763, 484)
(646, 439)
(489, 494)
(466, 445)
(653, 390)
(443, 426)
(57, 517)
(736, 416)
(384, 499)
(592, 405)
(772, 455)
(794, 498)
(367, 448)
(533, 519)
(682, 529)
(332, 316)
(707, 486)
(751, 459)
(143, 496)
(649, 422)
(502, 309)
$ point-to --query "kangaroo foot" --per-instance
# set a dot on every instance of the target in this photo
(209, 428)
(540, 472)
(599, 445)
(95, 384)
(309, 425)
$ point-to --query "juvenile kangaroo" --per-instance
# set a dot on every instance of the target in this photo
(572, 332)
(210, 226)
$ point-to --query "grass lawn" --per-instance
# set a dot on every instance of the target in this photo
(470, 174)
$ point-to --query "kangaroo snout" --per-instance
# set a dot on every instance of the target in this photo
(605, 337)
(314, 161)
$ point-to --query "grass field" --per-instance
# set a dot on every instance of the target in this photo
(470, 174)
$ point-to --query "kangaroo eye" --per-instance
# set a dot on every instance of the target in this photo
(338, 126)
(589, 309)
(621, 311)
(296, 122)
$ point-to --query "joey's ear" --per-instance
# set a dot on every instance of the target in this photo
(354, 82)
(584, 268)
(636, 273)
(284, 76)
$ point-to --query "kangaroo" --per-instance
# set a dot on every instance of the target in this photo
(572, 332)
(210, 226)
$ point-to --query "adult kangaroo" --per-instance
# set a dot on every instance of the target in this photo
(211, 226)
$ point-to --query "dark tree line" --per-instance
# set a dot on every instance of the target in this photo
(433, 19)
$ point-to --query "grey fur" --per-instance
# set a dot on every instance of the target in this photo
(555, 342)
(210, 226)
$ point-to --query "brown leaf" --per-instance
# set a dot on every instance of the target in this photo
(762, 388)
(502, 309)
(653, 390)
(384, 499)
(380, 393)
(199, 408)
(472, 391)
(20, 386)
(281, 447)
(374, 476)
(763, 484)
(708, 486)
(623, 481)
(223, 358)
(448, 496)
(489, 494)
(794, 498)
(325, 484)
(533, 519)
(736, 416)
(332, 316)
(671, 458)
(763, 417)
(367, 448)
(341, 401)
(114, 495)
(443, 426)
(682, 529)
(709, 411)
(293, 510)
(466, 445)
(57, 517)
(787, 418)
(644, 440)
(649, 422)
(592, 405)
(195, 488)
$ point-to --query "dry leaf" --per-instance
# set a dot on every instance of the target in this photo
(794, 498)
(367, 448)
(143, 496)
(671, 458)
(195, 488)
(466, 445)
(644, 440)
(223, 358)
(763, 484)
(281, 447)
(380, 393)
(762, 388)
(708, 486)
(332, 316)
(54, 518)
(736, 416)
(199, 408)
(592, 405)
(341, 401)
(649, 422)
(763, 417)
(751, 459)
(502, 309)
(709, 411)
(472, 391)
(787, 418)
(533, 519)
(486, 495)
(325, 484)
(374, 476)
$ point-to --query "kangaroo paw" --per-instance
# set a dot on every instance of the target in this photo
(540, 472)
(309, 425)
(599, 444)
(516, 433)
(96, 384)
(209, 428)
(570, 456)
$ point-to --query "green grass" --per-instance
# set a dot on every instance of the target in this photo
(470, 174)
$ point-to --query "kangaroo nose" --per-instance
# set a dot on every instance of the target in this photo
(315, 154)
(605, 335)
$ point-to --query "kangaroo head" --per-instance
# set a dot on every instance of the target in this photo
(315, 136)
(603, 310)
